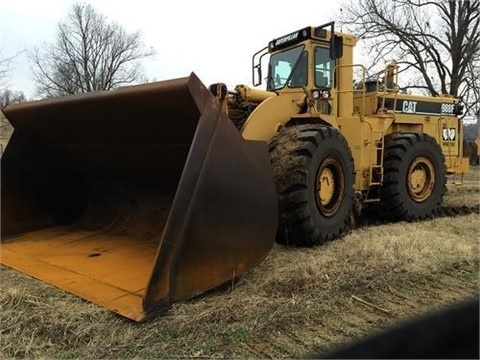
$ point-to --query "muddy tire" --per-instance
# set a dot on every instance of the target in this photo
(414, 176)
(314, 175)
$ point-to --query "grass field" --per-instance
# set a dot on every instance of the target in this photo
(298, 301)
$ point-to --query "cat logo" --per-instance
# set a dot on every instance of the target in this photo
(449, 134)
(409, 107)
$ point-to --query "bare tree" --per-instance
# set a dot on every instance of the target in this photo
(89, 54)
(11, 97)
(438, 41)
(471, 93)
(5, 69)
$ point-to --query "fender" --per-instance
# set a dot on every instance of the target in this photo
(276, 111)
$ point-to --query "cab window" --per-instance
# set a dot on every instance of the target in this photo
(281, 66)
(323, 68)
(300, 72)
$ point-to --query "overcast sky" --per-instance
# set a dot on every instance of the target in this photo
(213, 38)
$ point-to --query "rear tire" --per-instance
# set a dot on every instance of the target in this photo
(414, 176)
(313, 174)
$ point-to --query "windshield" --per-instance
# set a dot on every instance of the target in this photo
(281, 66)
(323, 67)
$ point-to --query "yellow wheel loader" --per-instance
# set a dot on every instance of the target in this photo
(333, 141)
(143, 196)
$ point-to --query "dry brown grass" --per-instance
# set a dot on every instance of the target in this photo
(466, 193)
(296, 302)
(5, 132)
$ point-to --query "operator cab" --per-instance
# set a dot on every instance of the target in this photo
(289, 67)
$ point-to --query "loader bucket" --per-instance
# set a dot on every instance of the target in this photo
(134, 198)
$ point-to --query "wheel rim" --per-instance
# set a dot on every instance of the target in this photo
(421, 179)
(330, 187)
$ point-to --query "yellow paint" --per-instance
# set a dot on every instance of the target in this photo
(112, 271)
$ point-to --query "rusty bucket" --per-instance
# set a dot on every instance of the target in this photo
(134, 198)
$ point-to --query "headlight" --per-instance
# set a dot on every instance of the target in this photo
(326, 94)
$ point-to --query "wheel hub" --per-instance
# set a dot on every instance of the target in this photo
(327, 186)
(330, 187)
(421, 179)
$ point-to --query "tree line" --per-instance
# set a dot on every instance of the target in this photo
(436, 41)
(89, 53)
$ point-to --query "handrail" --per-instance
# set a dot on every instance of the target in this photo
(353, 90)
(389, 83)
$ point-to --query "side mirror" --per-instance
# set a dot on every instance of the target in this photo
(336, 47)
(257, 66)
(257, 75)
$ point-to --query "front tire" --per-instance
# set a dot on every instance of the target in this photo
(313, 174)
(414, 176)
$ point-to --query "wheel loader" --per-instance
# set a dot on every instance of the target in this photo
(147, 195)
